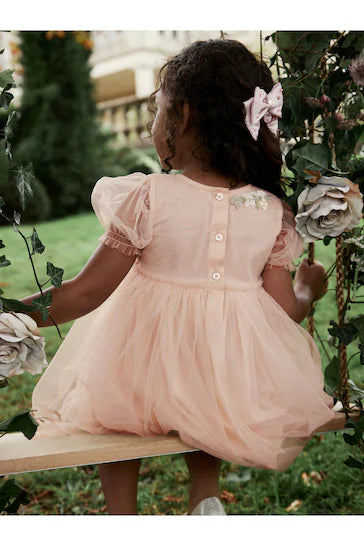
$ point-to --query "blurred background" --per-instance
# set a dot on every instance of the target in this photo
(124, 69)
(81, 105)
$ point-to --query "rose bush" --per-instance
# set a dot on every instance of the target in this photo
(330, 207)
(21, 346)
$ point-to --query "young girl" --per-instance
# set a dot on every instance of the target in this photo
(187, 318)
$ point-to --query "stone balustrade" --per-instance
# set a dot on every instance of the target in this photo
(127, 117)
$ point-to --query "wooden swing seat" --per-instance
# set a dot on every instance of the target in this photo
(19, 455)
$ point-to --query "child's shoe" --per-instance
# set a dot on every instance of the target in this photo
(210, 506)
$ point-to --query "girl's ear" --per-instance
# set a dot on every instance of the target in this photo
(186, 117)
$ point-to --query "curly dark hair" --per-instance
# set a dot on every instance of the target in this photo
(215, 76)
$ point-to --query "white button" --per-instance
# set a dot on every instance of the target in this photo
(219, 236)
(216, 275)
(219, 196)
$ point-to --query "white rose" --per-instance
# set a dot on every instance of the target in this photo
(330, 207)
(21, 348)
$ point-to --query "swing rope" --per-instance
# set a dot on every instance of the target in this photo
(310, 317)
(343, 365)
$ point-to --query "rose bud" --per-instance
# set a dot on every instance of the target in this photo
(324, 99)
(339, 116)
(312, 102)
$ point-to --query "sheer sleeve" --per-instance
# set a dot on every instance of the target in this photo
(289, 243)
(123, 207)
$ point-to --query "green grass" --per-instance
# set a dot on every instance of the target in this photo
(163, 485)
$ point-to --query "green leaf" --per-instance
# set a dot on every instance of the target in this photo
(273, 59)
(357, 425)
(11, 490)
(310, 85)
(287, 42)
(315, 43)
(331, 375)
(302, 49)
(55, 273)
(354, 463)
(6, 79)
(15, 305)
(41, 304)
(292, 199)
(3, 261)
(37, 245)
(5, 99)
(8, 130)
(361, 347)
(346, 332)
(289, 159)
(3, 163)
(293, 113)
(330, 124)
(23, 422)
(23, 178)
(311, 156)
(17, 217)
(353, 40)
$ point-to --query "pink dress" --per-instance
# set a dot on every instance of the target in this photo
(190, 341)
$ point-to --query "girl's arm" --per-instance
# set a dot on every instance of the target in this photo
(76, 297)
(295, 298)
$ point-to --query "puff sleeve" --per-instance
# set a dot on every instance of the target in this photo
(122, 205)
(289, 244)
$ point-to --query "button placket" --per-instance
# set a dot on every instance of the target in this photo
(219, 222)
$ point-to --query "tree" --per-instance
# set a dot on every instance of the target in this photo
(57, 129)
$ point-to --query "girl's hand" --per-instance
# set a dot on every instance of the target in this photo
(313, 276)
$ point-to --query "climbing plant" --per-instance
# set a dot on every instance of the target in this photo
(22, 348)
(322, 75)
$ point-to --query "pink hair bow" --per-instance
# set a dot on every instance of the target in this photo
(264, 105)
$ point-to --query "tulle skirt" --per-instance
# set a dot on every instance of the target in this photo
(228, 370)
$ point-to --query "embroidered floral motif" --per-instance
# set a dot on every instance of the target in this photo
(257, 198)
